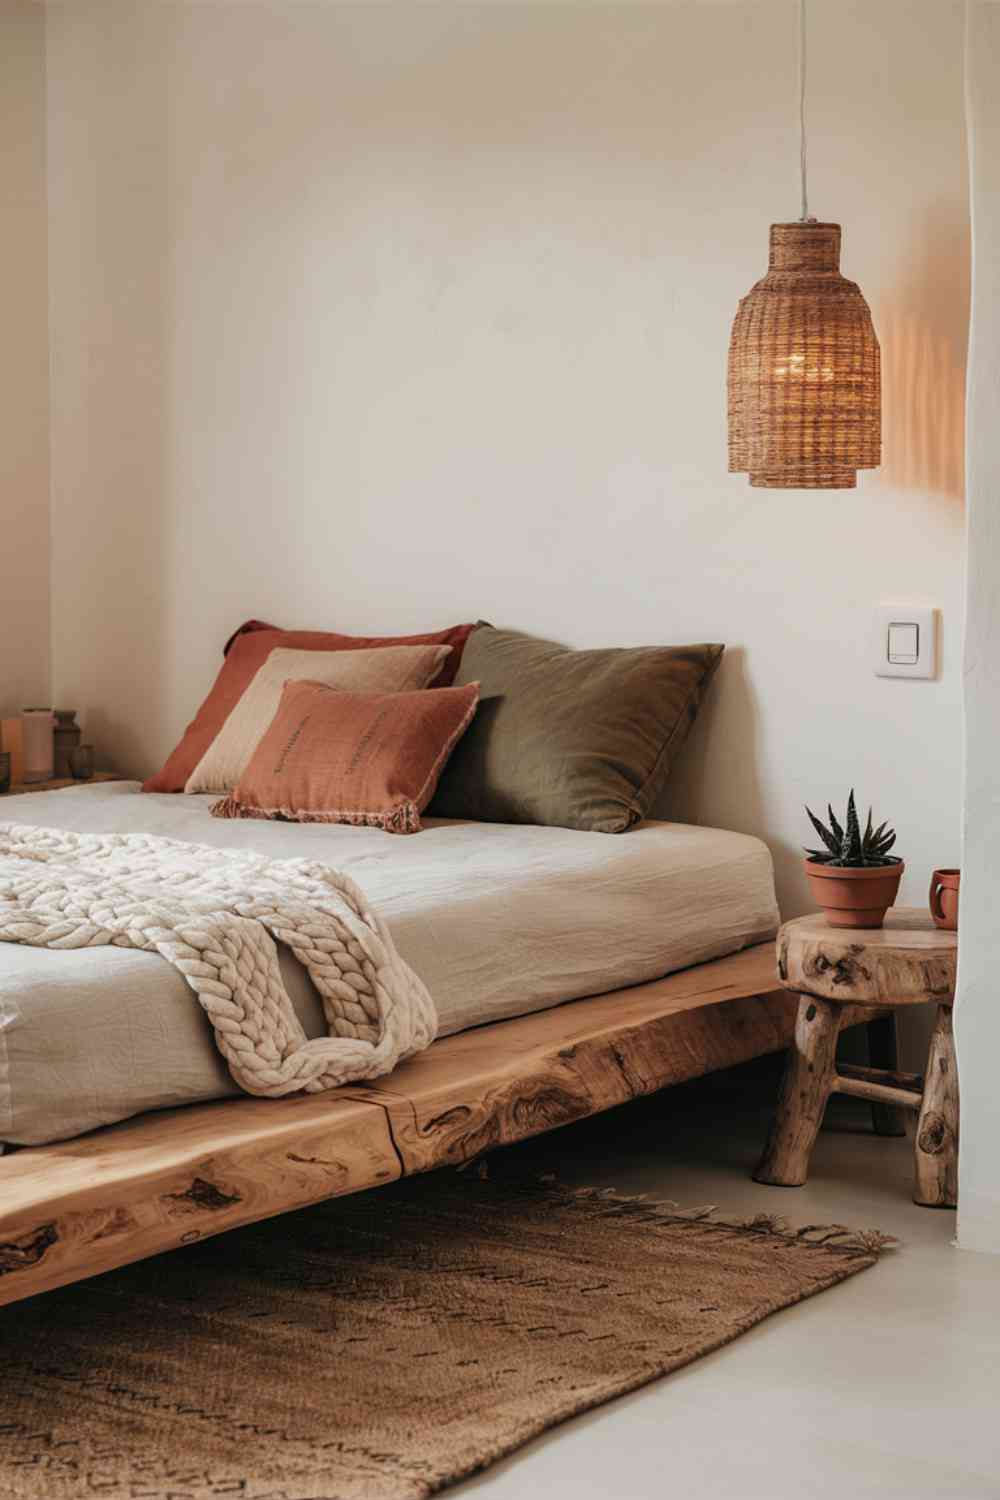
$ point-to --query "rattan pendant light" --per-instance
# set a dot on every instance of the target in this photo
(805, 386)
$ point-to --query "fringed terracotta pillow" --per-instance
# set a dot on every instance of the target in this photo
(336, 757)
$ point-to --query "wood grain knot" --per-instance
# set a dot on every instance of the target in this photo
(27, 1250)
(334, 1168)
(543, 1107)
(119, 1221)
(202, 1194)
(510, 1114)
(843, 971)
(456, 1116)
(933, 1134)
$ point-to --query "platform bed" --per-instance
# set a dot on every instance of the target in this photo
(84, 1206)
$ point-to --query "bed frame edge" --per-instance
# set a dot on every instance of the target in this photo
(160, 1181)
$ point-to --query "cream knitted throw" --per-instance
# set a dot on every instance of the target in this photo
(214, 914)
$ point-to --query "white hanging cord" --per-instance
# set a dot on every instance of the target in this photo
(802, 112)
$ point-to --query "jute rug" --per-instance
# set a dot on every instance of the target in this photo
(378, 1347)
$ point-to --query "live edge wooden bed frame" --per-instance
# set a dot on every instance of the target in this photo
(83, 1206)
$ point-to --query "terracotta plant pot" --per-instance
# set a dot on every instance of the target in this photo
(944, 899)
(854, 898)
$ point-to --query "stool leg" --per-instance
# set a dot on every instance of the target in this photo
(888, 1119)
(805, 1089)
(935, 1149)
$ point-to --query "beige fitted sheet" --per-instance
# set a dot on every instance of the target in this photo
(497, 919)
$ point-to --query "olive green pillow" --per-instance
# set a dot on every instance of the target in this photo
(570, 739)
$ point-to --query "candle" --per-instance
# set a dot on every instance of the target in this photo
(37, 745)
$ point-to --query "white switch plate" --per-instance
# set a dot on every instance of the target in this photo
(904, 640)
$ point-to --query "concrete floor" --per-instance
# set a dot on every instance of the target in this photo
(888, 1385)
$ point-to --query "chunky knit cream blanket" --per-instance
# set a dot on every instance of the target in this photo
(214, 915)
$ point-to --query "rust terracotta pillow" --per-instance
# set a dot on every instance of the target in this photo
(246, 653)
(336, 757)
(390, 669)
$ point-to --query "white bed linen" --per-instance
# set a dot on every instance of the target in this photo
(497, 919)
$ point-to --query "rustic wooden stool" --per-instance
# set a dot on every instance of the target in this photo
(909, 961)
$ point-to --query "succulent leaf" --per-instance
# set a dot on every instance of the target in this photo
(846, 846)
(830, 840)
(850, 849)
(838, 832)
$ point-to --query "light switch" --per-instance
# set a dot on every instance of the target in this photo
(904, 643)
(904, 640)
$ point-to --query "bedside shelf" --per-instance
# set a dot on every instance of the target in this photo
(57, 785)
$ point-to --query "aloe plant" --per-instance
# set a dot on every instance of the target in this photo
(846, 846)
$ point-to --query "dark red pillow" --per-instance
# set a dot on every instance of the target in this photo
(247, 651)
(245, 629)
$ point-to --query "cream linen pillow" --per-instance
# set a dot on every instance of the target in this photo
(387, 669)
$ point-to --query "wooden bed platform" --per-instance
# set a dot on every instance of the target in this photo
(83, 1206)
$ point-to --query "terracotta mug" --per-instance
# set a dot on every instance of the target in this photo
(944, 898)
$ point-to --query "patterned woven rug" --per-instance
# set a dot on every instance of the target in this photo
(379, 1346)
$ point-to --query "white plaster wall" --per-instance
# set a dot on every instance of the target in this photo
(978, 1006)
(24, 392)
(381, 316)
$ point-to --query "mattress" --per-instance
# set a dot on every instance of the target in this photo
(497, 919)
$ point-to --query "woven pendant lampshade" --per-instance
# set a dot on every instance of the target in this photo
(805, 387)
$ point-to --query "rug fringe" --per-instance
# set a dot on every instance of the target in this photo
(869, 1242)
